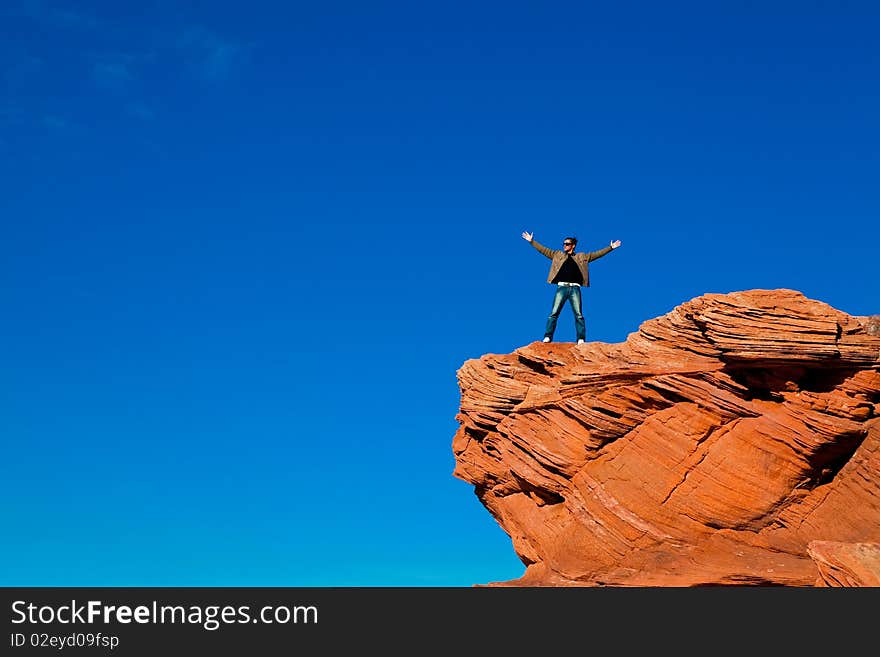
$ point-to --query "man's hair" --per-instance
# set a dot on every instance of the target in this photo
(573, 240)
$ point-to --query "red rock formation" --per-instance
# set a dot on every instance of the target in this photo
(711, 447)
(846, 564)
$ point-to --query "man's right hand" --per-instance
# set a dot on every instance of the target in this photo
(527, 236)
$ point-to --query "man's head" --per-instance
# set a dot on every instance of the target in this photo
(569, 243)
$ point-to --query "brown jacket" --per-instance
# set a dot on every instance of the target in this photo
(582, 260)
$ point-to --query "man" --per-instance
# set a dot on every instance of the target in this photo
(568, 271)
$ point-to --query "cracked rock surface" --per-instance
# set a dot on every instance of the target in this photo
(711, 447)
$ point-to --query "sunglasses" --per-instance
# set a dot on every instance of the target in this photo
(567, 243)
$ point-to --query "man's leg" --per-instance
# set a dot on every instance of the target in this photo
(579, 324)
(558, 301)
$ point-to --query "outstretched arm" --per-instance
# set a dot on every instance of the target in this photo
(595, 255)
(529, 237)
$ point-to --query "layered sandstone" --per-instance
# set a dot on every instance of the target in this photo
(846, 564)
(712, 446)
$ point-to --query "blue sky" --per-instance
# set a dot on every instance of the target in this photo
(246, 246)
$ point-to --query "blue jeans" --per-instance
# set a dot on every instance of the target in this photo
(571, 294)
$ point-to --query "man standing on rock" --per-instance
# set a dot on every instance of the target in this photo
(568, 271)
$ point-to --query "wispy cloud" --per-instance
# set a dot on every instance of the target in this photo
(60, 16)
(112, 74)
(210, 56)
(140, 110)
(55, 122)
